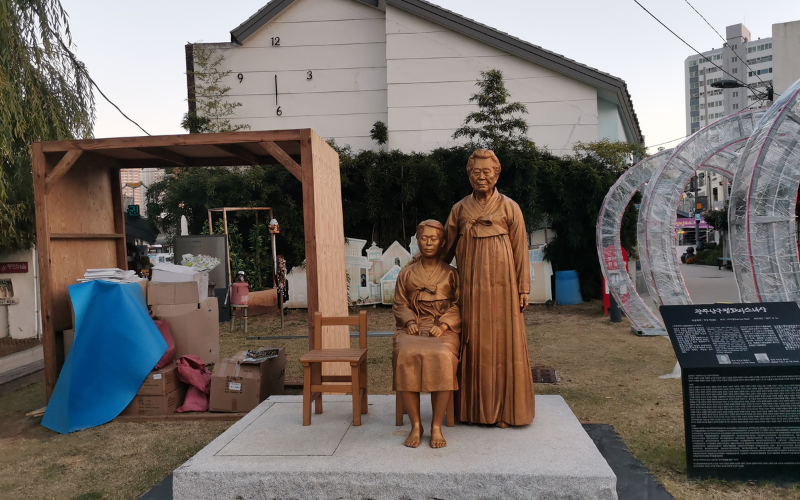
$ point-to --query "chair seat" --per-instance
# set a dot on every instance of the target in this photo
(334, 355)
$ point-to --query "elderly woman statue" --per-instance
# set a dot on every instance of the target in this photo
(426, 345)
(486, 232)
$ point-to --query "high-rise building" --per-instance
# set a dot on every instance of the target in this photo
(706, 104)
(135, 182)
(760, 64)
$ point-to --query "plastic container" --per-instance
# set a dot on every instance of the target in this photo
(568, 288)
(239, 293)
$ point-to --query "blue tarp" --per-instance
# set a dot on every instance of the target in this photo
(116, 345)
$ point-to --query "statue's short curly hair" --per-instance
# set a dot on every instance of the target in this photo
(484, 154)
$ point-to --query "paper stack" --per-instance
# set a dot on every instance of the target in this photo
(110, 274)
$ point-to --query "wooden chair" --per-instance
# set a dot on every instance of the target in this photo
(399, 411)
(312, 368)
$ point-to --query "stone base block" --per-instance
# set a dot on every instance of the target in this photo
(270, 455)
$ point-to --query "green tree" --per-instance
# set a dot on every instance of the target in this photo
(213, 107)
(494, 124)
(45, 94)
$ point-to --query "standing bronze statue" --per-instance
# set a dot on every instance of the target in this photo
(426, 344)
(486, 232)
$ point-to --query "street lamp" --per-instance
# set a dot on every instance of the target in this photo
(735, 84)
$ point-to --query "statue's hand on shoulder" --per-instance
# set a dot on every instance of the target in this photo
(439, 330)
(523, 301)
(412, 328)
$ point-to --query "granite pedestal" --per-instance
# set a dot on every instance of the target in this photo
(270, 455)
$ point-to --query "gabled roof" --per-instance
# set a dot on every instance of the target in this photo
(605, 82)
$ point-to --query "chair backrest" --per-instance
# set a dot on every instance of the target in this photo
(360, 320)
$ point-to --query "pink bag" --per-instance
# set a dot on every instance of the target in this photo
(193, 371)
(168, 356)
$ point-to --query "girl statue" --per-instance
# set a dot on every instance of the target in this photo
(486, 233)
(426, 344)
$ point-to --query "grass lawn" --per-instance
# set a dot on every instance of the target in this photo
(607, 376)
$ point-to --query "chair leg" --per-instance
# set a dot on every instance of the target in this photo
(398, 408)
(316, 378)
(356, 387)
(364, 402)
(451, 413)
(306, 395)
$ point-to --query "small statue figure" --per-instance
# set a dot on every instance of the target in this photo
(426, 344)
(486, 233)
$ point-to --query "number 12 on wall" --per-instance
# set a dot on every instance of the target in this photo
(276, 41)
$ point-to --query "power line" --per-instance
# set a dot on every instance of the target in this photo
(667, 142)
(687, 44)
(724, 41)
(82, 68)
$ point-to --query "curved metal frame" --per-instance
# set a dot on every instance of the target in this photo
(762, 209)
(609, 246)
(657, 219)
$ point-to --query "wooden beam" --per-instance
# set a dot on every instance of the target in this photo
(85, 236)
(166, 154)
(239, 152)
(279, 154)
(39, 165)
(219, 417)
(173, 140)
(61, 169)
(119, 217)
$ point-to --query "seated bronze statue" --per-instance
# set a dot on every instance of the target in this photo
(426, 344)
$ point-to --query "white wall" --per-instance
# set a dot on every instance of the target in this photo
(609, 121)
(785, 59)
(342, 43)
(431, 73)
(21, 322)
(412, 74)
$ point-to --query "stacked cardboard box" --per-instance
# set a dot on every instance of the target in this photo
(239, 387)
(160, 394)
(194, 321)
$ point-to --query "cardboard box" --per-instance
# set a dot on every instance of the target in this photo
(195, 328)
(170, 273)
(237, 387)
(172, 293)
(156, 405)
(160, 382)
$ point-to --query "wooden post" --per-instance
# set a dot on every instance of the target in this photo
(210, 224)
(39, 168)
(227, 243)
(309, 225)
(324, 238)
(119, 218)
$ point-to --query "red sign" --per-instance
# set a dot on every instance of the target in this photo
(13, 267)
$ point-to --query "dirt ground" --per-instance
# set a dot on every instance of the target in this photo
(607, 376)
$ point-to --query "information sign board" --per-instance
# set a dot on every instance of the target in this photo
(740, 367)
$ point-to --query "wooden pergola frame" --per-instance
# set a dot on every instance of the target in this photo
(225, 211)
(80, 222)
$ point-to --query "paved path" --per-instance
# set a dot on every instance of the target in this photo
(706, 284)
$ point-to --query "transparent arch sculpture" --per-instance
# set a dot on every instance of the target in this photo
(656, 225)
(763, 200)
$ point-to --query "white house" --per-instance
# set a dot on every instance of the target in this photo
(338, 66)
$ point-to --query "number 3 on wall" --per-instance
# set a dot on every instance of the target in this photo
(278, 111)
(310, 75)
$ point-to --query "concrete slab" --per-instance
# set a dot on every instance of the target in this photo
(270, 455)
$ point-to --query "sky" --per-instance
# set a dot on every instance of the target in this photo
(135, 50)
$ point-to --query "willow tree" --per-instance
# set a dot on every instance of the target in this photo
(45, 94)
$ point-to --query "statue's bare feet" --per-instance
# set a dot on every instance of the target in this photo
(503, 425)
(414, 437)
(437, 440)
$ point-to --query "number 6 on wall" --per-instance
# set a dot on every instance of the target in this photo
(278, 111)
